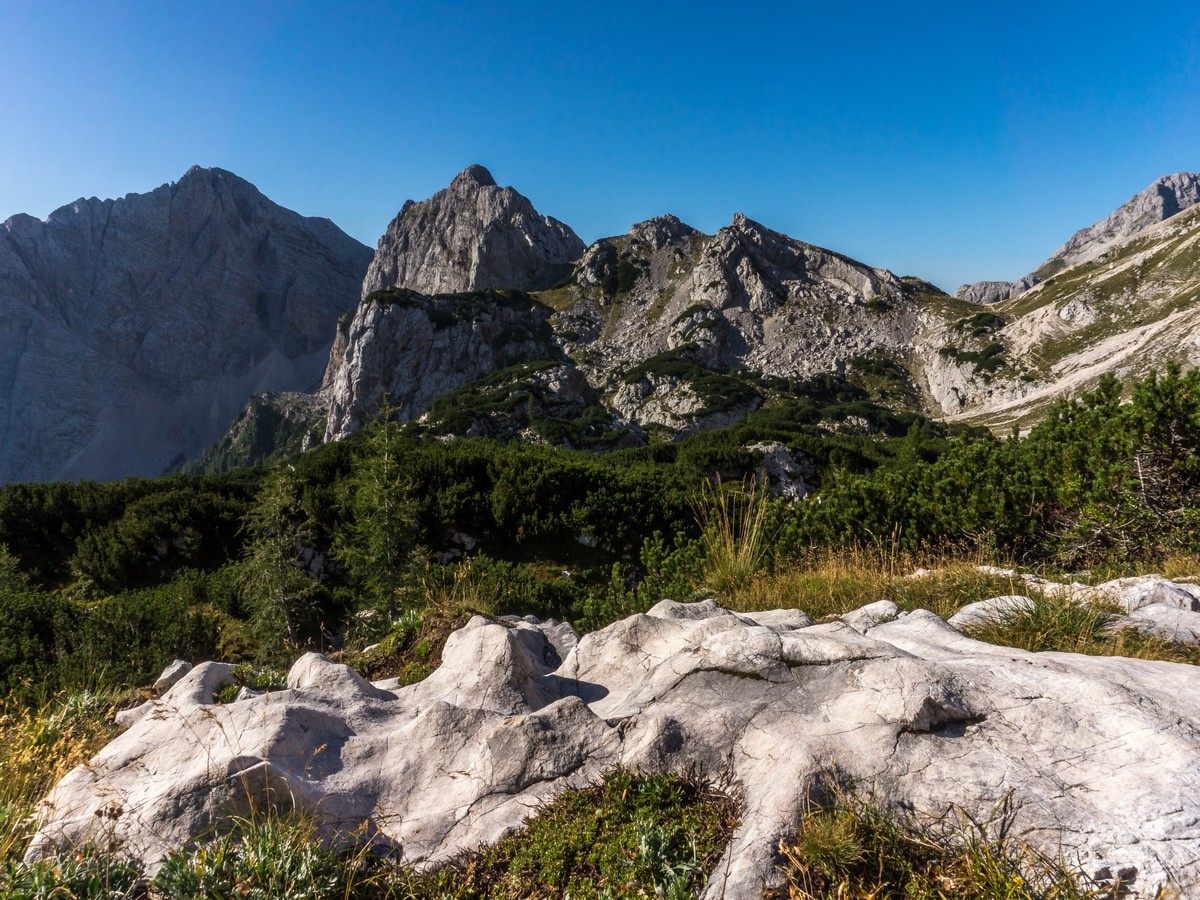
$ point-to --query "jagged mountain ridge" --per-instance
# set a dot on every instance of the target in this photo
(680, 331)
(661, 328)
(133, 330)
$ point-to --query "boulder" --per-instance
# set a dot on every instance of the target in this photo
(171, 674)
(1095, 755)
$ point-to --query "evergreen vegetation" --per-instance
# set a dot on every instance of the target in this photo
(400, 536)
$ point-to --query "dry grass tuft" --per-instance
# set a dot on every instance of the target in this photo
(40, 747)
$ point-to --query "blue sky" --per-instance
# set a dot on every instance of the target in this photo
(955, 141)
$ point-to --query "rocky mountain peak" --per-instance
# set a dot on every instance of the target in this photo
(473, 176)
(473, 235)
(133, 330)
(661, 231)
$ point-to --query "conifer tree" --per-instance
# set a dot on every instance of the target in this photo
(376, 546)
(278, 591)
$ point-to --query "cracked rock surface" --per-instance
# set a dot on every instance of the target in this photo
(1096, 754)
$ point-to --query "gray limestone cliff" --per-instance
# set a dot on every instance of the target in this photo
(416, 348)
(471, 236)
(132, 331)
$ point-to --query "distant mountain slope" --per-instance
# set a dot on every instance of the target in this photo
(1133, 308)
(1163, 199)
(132, 331)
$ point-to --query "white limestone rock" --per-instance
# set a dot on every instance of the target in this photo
(983, 612)
(171, 674)
(867, 617)
(781, 471)
(1096, 754)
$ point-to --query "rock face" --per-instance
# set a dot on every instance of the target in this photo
(673, 331)
(472, 236)
(1166, 197)
(1096, 754)
(132, 331)
(985, 292)
(651, 316)
(416, 348)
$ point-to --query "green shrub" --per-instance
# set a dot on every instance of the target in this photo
(630, 836)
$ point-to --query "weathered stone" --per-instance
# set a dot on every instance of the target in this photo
(867, 617)
(1095, 754)
(171, 674)
(982, 612)
(985, 292)
(782, 473)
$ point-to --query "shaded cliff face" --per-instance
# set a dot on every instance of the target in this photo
(132, 331)
(472, 236)
(416, 348)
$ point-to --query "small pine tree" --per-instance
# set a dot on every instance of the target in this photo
(279, 593)
(376, 546)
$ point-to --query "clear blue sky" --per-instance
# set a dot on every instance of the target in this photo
(952, 140)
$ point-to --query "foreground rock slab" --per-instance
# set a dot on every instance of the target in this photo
(1097, 755)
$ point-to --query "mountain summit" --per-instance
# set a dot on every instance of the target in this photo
(133, 330)
(473, 235)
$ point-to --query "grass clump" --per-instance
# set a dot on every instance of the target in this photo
(277, 857)
(826, 582)
(75, 875)
(630, 836)
(733, 534)
(40, 746)
(1047, 624)
(1071, 626)
(851, 849)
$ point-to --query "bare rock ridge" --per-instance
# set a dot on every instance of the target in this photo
(1096, 754)
(132, 331)
(747, 298)
(472, 236)
(1163, 199)
(680, 331)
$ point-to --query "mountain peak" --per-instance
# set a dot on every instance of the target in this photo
(475, 176)
(465, 238)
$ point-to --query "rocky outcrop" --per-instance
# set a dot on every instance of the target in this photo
(661, 317)
(132, 331)
(985, 292)
(1096, 755)
(472, 236)
(415, 348)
